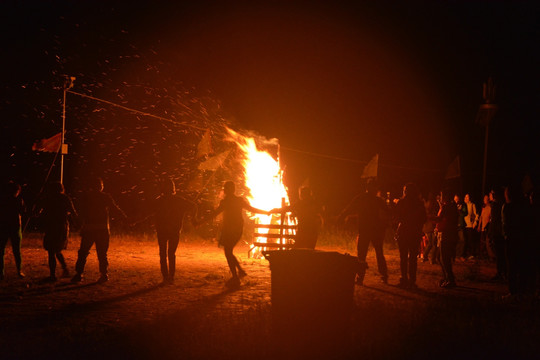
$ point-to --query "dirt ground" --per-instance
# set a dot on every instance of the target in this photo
(133, 316)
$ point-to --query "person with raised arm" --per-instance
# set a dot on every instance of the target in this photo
(232, 227)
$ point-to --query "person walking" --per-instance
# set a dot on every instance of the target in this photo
(54, 211)
(410, 215)
(12, 208)
(169, 211)
(94, 213)
(447, 227)
(232, 227)
(372, 217)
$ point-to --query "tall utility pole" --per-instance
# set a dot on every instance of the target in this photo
(485, 114)
(68, 84)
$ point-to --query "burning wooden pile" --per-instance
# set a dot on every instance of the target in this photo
(264, 179)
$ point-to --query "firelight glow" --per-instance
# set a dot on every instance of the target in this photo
(263, 178)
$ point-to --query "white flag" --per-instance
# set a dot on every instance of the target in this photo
(371, 169)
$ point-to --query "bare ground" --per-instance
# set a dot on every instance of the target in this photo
(132, 316)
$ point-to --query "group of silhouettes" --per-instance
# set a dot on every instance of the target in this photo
(444, 229)
(508, 230)
(55, 210)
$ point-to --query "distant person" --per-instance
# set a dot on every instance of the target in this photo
(410, 215)
(11, 209)
(308, 215)
(447, 227)
(55, 209)
(471, 220)
(169, 212)
(431, 251)
(232, 227)
(482, 227)
(518, 230)
(372, 216)
(535, 203)
(94, 213)
(462, 212)
(495, 234)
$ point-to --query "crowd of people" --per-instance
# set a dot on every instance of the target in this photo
(444, 229)
(55, 211)
(440, 229)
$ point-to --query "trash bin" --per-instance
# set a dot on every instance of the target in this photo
(312, 295)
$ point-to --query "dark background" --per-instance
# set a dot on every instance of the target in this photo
(341, 80)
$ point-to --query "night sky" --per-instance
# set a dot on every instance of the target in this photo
(336, 83)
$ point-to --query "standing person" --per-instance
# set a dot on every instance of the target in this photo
(518, 225)
(232, 226)
(471, 220)
(11, 209)
(495, 234)
(94, 213)
(169, 211)
(462, 212)
(447, 227)
(483, 227)
(308, 214)
(55, 209)
(371, 212)
(432, 208)
(410, 215)
(535, 203)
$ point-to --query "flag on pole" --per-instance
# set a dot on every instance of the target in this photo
(454, 169)
(371, 169)
(51, 144)
(215, 162)
(205, 145)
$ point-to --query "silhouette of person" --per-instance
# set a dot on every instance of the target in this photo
(432, 208)
(169, 211)
(410, 215)
(94, 213)
(308, 214)
(495, 233)
(518, 230)
(483, 226)
(447, 226)
(232, 226)
(11, 209)
(372, 216)
(55, 209)
(472, 242)
(462, 211)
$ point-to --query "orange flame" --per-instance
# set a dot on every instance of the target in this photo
(263, 177)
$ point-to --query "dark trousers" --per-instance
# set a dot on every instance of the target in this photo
(521, 269)
(500, 255)
(409, 248)
(15, 236)
(88, 238)
(232, 261)
(362, 245)
(431, 247)
(483, 245)
(447, 254)
(168, 243)
(471, 242)
(52, 261)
